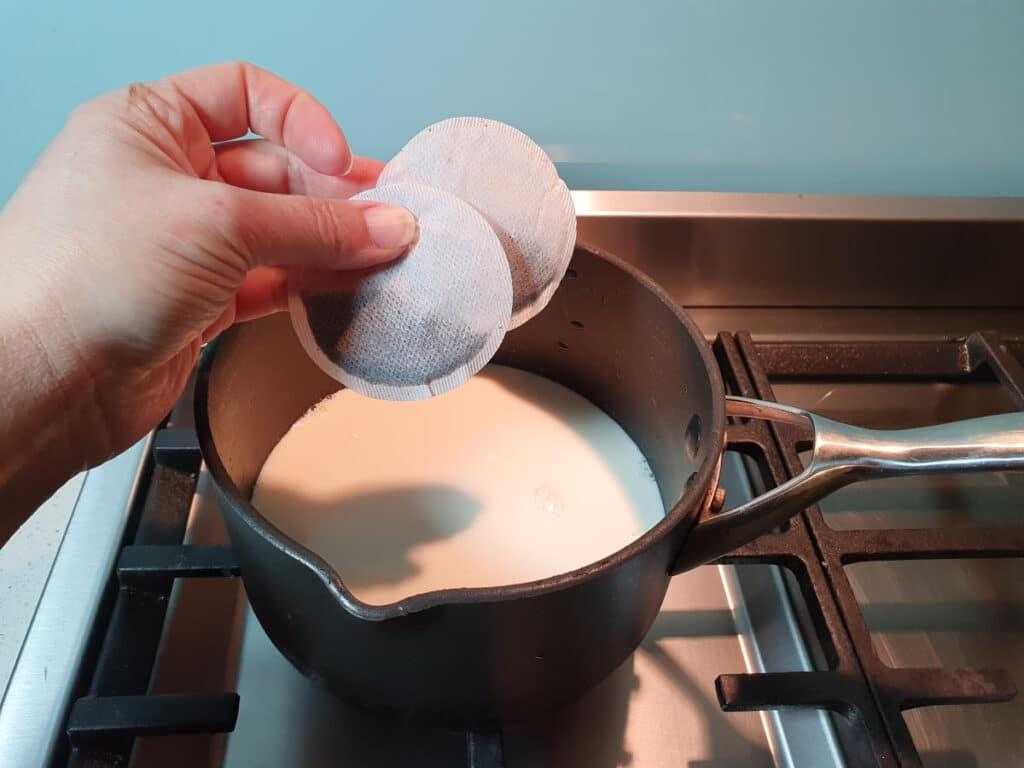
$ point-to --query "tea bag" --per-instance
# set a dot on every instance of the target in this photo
(509, 179)
(419, 326)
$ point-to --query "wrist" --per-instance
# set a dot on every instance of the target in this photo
(45, 412)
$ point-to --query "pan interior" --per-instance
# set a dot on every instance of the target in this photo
(509, 479)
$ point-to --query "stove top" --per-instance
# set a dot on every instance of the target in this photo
(828, 643)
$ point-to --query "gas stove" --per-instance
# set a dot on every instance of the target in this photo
(883, 627)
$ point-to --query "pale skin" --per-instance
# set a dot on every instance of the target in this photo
(138, 235)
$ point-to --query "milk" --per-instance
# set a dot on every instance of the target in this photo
(507, 479)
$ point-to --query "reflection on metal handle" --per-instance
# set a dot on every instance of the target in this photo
(843, 454)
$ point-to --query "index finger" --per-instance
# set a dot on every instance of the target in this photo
(233, 98)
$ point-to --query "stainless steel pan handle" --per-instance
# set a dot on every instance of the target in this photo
(843, 454)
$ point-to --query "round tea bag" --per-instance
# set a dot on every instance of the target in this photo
(502, 173)
(421, 325)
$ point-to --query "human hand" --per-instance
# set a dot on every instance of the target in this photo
(138, 235)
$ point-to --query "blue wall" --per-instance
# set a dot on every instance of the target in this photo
(911, 97)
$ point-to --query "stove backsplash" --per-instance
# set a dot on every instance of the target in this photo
(830, 277)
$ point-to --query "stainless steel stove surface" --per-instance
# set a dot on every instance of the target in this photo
(845, 607)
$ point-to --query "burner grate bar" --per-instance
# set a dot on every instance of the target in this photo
(833, 691)
(864, 359)
(912, 687)
(145, 566)
(931, 360)
(858, 546)
(100, 723)
(178, 449)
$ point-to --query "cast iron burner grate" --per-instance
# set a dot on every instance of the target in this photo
(102, 725)
(115, 709)
(857, 684)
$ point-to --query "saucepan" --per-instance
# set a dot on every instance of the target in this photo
(482, 657)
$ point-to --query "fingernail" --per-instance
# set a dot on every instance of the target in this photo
(390, 226)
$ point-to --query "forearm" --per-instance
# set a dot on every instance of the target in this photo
(40, 414)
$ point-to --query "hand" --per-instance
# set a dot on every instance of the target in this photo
(139, 235)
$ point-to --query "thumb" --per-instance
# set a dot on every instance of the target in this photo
(295, 230)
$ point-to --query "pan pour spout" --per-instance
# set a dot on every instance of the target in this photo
(843, 454)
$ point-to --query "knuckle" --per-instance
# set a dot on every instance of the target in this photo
(139, 92)
(140, 104)
(144, 106)
(143, 98)
(223, 223)
(331, 229)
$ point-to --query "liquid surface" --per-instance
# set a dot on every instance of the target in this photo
(508, 479)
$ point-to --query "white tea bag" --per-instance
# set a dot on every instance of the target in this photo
(508, 178)
(419, 326)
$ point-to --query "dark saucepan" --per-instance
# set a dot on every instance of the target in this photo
(480, 657)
